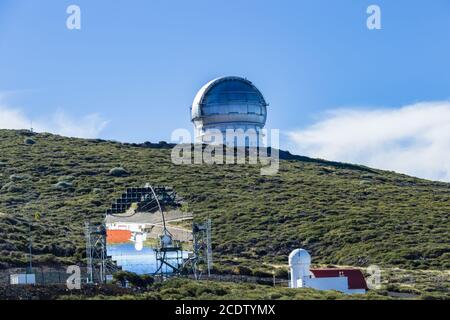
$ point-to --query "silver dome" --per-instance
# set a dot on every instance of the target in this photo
(229, 103)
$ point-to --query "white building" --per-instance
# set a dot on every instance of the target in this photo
(302, 276)
(22, 279)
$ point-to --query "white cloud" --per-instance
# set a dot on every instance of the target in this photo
(12, 119)
(414, 139)
(89, 126)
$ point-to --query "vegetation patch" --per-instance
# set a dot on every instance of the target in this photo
(118, 172)
(29, 141)
(64, 185)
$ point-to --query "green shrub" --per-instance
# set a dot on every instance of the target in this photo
(262, 274)
(242, 271)
(133, 279)
(433, 296)
(118, 172)
(66, 179)
(19, 177)
(281, 273)
(29, 141)
(97, 191)
(6, 186)
(63, 185)
(13, 188)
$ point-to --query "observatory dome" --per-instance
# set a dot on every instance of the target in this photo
(299, 256)
(228, 103)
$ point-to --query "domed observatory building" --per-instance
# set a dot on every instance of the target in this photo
(346, 280)
(229, 105)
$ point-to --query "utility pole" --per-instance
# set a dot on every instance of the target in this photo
(89, 257)
(30, 245)
(209, 259)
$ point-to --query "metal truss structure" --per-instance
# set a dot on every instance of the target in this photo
(202, 249)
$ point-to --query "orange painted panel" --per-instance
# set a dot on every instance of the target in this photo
(118, 236)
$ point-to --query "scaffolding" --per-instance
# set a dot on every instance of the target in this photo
(98, 263)
(170, 259)
(202, 249)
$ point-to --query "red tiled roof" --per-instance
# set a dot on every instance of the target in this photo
(355, 277)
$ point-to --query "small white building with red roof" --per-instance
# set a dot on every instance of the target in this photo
(347, 280)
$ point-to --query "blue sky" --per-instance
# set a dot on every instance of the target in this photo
(137, 65)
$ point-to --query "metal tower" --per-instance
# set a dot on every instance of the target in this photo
(202, 248)
(97, 264)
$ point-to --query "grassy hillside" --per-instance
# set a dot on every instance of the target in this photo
(343, 214)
